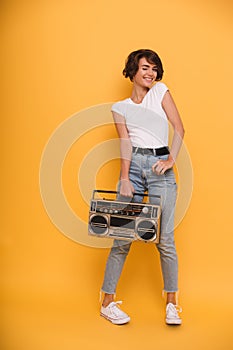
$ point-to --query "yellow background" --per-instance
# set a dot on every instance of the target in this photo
(59, 57)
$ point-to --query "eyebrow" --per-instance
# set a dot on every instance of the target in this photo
(147, 66)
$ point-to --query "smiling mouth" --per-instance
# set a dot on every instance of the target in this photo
(148, 79)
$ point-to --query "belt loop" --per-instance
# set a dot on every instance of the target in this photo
(136, 150)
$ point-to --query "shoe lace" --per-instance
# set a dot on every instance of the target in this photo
(174, 309)
(115, 310)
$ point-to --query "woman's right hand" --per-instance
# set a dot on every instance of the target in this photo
(126, 188)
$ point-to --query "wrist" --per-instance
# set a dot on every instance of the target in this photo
(171, 159)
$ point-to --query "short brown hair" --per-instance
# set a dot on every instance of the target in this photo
(132, 63)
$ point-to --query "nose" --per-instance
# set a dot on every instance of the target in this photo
(151, 72)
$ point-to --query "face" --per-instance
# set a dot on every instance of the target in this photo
(146, 74)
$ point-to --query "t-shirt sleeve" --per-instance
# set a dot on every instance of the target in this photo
(160, 90)
(119, 108)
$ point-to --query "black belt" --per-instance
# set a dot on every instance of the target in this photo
(162, 151)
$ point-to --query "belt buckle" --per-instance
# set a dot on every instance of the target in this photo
(154, 151)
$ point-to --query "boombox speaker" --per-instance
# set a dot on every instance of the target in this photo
(128, 221)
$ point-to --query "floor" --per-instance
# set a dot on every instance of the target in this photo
(70, 323)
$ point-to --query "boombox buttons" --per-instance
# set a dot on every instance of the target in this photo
(124, 220)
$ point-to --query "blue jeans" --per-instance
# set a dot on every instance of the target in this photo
(144, 179)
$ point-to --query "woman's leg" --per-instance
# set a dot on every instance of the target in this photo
(113, 270)
(165, 186)
(121, 248)
(166, 245)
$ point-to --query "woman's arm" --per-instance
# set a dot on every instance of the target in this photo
(126, 188)
(173, 116)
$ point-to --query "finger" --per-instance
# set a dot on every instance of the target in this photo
(126, 194)
(158, 165)
(159, 168)
(163, 170)
(155, 166)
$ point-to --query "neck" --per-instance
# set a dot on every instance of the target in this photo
(138, 93)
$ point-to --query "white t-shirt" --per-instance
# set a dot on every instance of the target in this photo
(147, 121)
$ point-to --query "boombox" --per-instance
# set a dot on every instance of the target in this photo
(124, 220)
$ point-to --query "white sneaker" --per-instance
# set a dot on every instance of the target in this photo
(172, 316)
(114, 314)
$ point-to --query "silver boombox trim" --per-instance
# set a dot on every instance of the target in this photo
(124, 220)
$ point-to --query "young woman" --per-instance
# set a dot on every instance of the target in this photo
(146, 165)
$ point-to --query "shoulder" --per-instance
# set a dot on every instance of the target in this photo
(159, 86)
(120, 106)
(159, 90)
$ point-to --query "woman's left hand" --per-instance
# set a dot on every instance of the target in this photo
(162, 165)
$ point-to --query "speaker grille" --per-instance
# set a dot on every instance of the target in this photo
(98, 224)
(146, 230)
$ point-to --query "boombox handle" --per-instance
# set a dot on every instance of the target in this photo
(117, 192)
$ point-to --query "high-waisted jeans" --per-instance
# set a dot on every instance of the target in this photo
(144, 179)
